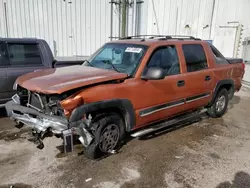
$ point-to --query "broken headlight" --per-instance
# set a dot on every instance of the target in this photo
(71, 103)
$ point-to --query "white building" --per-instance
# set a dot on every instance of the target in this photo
(79, 27)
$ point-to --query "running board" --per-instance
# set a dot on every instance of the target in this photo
(154, 128)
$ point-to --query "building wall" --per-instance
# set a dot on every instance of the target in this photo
(79, 27)
(71, 27)
(200, 18)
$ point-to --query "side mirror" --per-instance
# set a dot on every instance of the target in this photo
(54, 63)
(153, 73)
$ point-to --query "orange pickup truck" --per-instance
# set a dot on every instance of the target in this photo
(127, 86)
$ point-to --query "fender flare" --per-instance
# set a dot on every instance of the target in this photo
(219, 85)
(124, 105)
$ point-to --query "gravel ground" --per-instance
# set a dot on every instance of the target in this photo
(211, 153)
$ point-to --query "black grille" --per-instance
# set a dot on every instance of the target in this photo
(23, 94)
(35, 101)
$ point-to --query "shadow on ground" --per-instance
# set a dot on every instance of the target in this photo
(241, 180)
(2, 112)
(171, 128)
(235, 100)
(17, 185)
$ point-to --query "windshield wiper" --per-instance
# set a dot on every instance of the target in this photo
(111, 64)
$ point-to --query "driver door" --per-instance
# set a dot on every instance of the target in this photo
(23, 58)
(165, 97)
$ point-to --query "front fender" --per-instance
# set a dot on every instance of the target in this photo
(124, 105)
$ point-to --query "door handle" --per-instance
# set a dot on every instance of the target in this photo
(207, 78)
(180, 83)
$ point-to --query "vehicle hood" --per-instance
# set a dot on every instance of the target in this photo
(59, 80)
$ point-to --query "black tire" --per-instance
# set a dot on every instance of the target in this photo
(217, 110)
(100, 127)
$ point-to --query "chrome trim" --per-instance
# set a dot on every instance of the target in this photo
(39, 124)
(167, 107)
(39, 98)
(153, 109)
(16, 98)
(2, 105)
(168, 123)
(28, 97)
(207, 95)
(29, 105)
(15, 86)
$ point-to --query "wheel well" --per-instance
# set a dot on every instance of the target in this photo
(230, 90)
(122, 113)
(227, 86)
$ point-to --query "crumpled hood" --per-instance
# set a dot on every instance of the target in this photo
(59, 80)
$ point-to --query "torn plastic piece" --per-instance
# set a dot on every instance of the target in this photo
(89, 179)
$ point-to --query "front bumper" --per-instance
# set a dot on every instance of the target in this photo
(42, 124)
(38, 121)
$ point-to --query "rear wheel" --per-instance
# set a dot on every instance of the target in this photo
(109, 133)
(219, 106)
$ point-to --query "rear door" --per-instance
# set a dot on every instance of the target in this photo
(23, 58)
(199, 77)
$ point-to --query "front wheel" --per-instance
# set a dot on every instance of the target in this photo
(219, 106)
(109, 133)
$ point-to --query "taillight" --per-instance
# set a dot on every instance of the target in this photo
(243, 66)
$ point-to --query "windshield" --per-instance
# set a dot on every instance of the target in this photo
(123, 58)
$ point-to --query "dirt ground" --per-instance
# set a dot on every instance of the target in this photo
(211, 153)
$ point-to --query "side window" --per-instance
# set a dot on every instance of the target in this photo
(219, 58)
(195, 57)
(1, 52)
(24, 54)
(3, 60)
(167, 59)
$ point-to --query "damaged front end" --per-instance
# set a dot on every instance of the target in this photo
(45, 116)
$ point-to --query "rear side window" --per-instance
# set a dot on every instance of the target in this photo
(195, 57)
(1, 51)
(24, 54)
(219, 58)
(3, 60)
